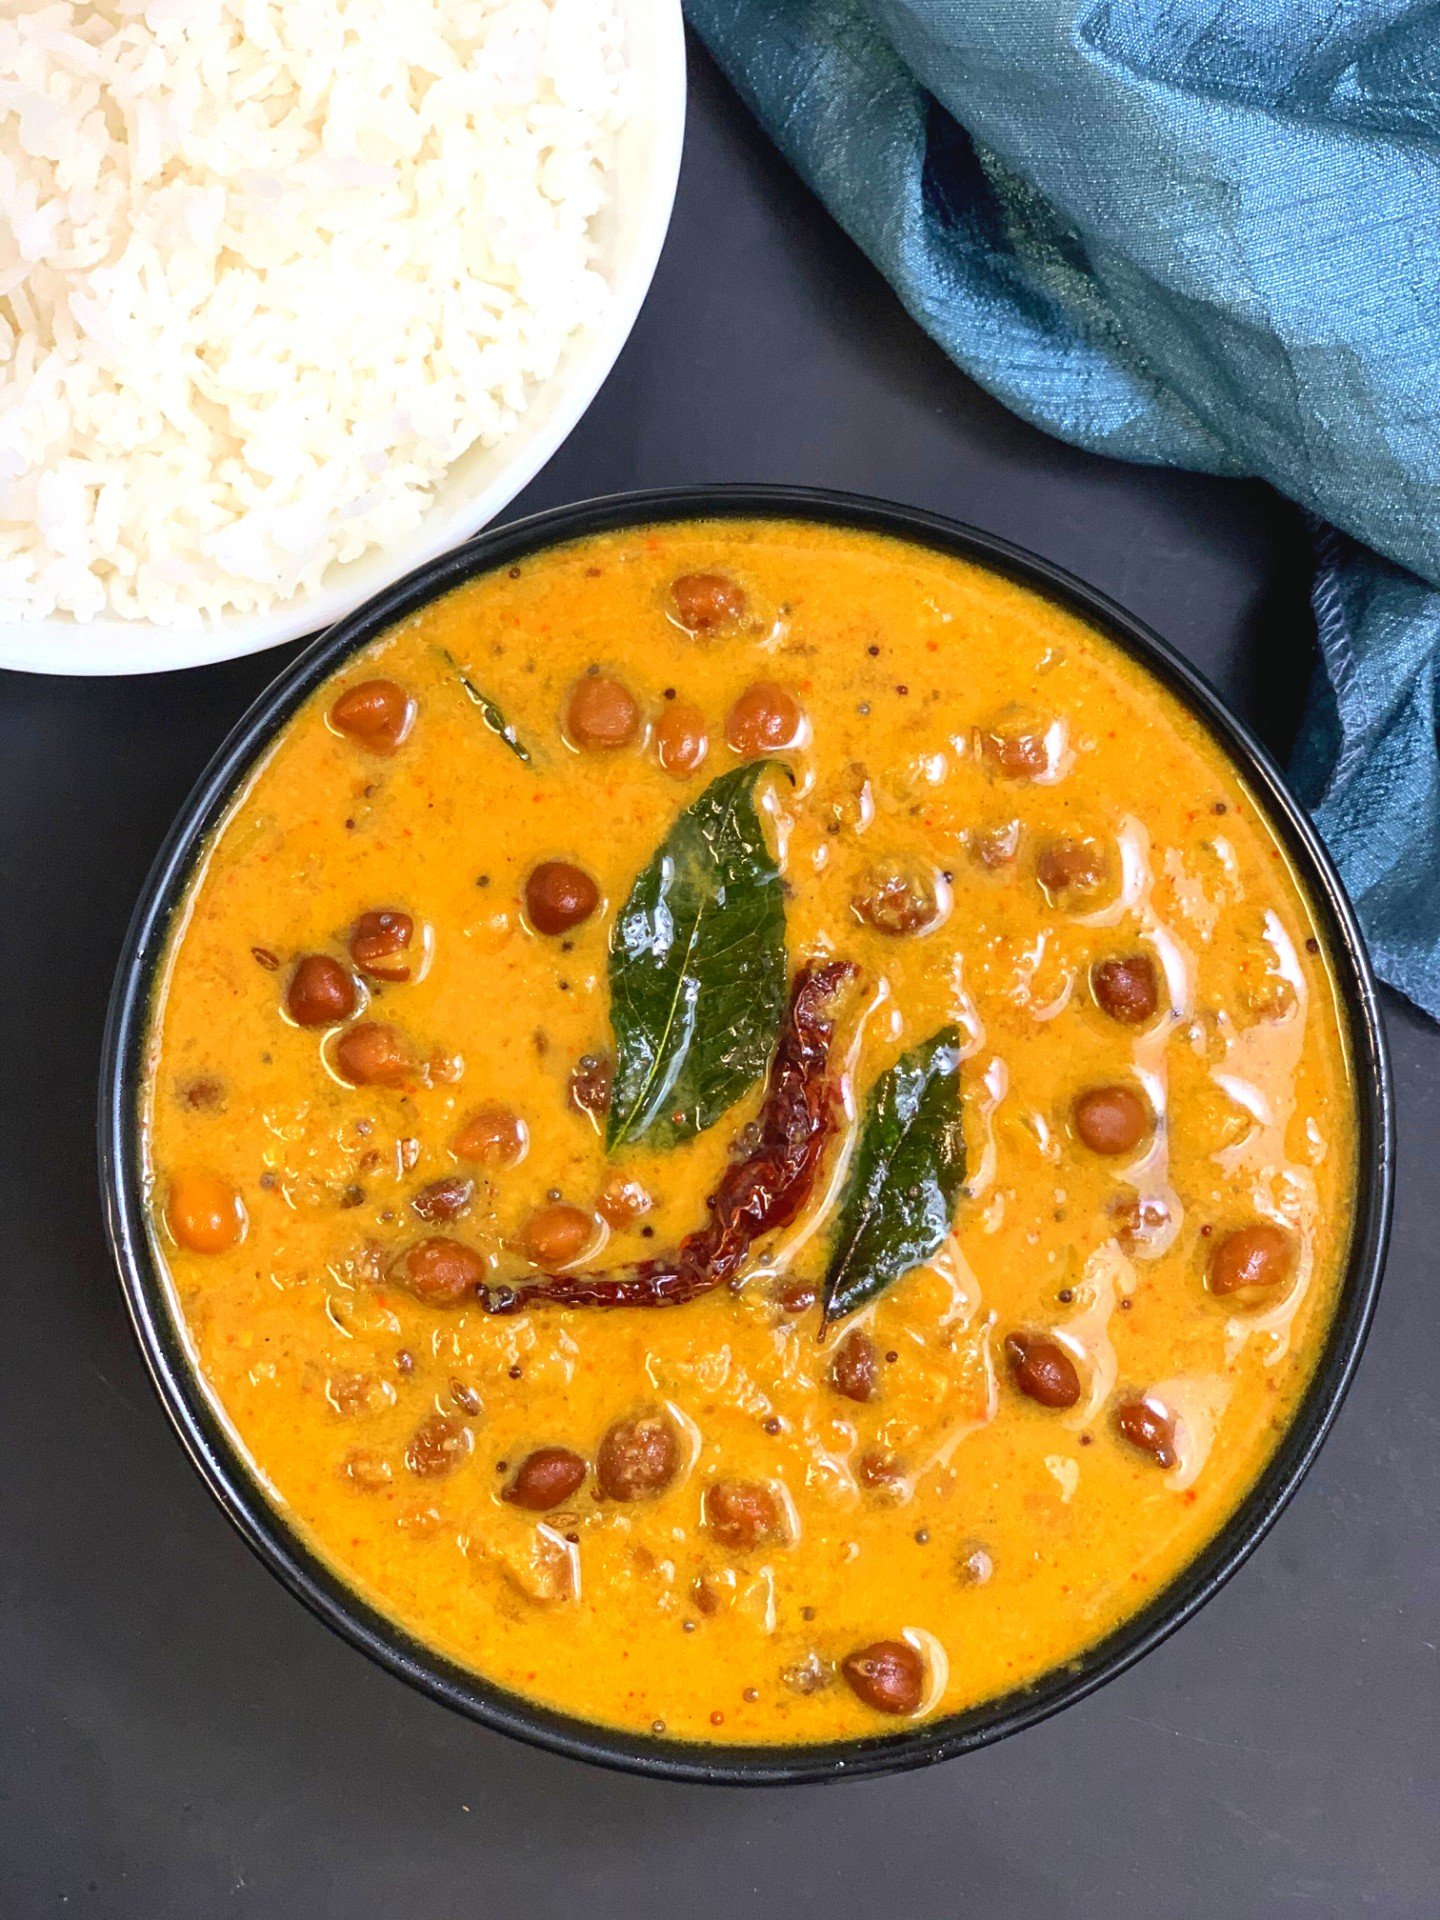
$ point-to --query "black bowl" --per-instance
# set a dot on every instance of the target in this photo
(224, 1469)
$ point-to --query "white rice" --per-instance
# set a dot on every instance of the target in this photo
(267, 267)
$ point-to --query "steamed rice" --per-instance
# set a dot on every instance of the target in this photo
(267, 267)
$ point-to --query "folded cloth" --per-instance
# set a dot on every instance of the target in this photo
(1204, 233)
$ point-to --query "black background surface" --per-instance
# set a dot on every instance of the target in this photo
(179, 1739)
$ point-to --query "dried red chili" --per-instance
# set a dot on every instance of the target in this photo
(763, 1191)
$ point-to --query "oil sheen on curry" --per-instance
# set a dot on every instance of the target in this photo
(751, 1130)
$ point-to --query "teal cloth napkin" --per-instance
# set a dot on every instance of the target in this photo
(1204, 233)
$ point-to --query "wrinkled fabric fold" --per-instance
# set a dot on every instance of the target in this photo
(1203, 234)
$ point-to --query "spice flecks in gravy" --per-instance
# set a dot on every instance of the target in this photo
(382, 1060)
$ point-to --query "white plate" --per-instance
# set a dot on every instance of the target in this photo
(482, 481)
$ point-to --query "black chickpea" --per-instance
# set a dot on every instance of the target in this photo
(994, 848)
(321, 992)
(204, 1212)
(372, 1054)
(1127, 988)
(602, 715)
(899, 897)
(546, 1478)
(744, 1515)
(882, 1473)
(794, 1297)
(438, 1271)
(494, 1136)
(622, 1201)
(681, 741)
(1042, 1369)
(855, 1368)
(638, 1457)
(1074, 873)
(1017, 744)
(353, 1392)
(592, 1080)
(380, 943)
(367, 1469)
(444, 1199)
(705, 602)
(376, 714)
(1257, 1258)
(1111, 1120)
(557, 1235)
(765, 719)
(559, 896)
(1148, 1429)
(438, 1446)
(888, 1675)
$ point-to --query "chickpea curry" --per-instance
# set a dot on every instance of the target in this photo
(750, 1128)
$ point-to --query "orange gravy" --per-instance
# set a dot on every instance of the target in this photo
(952, 735)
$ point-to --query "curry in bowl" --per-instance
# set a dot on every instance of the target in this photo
(751, 1130)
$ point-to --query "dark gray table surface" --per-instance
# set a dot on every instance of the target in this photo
(179, 1739)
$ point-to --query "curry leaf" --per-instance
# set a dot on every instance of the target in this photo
(900, 1194)
(697, 970)
(489, 712)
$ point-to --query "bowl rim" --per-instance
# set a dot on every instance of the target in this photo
(216, 1454)
(109, 646)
